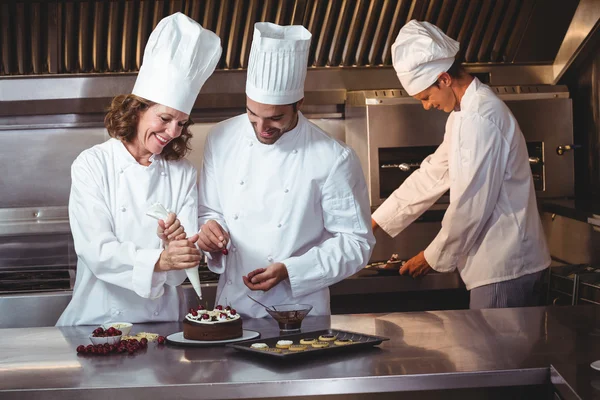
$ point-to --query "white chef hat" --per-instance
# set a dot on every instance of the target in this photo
(179, 57)
(420, 54)
(278, 63)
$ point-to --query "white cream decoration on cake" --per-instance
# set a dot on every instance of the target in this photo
(220, 316)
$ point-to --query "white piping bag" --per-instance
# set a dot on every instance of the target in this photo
(158, 211)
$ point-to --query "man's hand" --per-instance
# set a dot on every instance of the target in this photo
(170, 229)
(266, 278)
(180, 254)
(212, 237)
(416, 266)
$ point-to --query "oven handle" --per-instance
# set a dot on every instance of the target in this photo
(403, 167)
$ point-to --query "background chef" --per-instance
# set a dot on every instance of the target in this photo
(289, 201)
(491, 231)
(123, 271)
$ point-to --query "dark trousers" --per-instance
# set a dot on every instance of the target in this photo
(520, 292)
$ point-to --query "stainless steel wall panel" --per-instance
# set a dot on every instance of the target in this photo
(48, 155)
(571, 241)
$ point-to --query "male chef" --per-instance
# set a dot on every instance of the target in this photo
(491, 231)
(287, 201)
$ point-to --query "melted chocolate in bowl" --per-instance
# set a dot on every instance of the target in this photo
(289, 316)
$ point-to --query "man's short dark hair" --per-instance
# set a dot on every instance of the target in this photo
(294, 105)
(455, 71)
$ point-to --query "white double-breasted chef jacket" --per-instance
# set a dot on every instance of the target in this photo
(116, 242)
(492, 230)
(301, 201)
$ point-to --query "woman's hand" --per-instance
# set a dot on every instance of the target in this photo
(170, 229)
(179, 254)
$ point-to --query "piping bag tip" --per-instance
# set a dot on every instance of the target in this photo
(192, 274)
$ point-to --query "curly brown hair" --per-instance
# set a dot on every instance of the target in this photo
(122, 119)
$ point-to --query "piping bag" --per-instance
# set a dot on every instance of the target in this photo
(158, 211)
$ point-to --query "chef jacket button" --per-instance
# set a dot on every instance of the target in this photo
(119, 312)
(279, 225)
(121, 171)
(251, 144)
(163, 173)
(234, 249)
(270, 259)
(286, 190)
(229, 282)
(235, 216)
(123, 209)
(155, 312)
(241, 182)
(294, 151)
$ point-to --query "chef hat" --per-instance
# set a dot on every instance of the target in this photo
(420, 54)
(179, 57)
(278, 63)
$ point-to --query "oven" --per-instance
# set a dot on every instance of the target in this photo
(392, 134)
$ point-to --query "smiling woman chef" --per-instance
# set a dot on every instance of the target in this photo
(124, 272)
(491, 231)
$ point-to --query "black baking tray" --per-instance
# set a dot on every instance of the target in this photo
(360, 340)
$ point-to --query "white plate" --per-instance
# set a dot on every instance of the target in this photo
(179, 340)
(596, 365)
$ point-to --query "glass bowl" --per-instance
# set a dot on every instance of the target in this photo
(289, 316)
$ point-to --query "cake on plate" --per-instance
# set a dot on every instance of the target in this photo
(222, 323)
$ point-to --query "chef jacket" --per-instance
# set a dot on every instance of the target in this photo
(116, 242)
(491, 231)
(302, 201)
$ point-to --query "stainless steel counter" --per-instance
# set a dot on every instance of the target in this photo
(427, 351)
